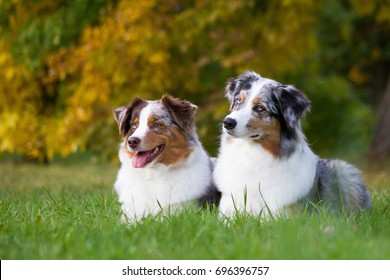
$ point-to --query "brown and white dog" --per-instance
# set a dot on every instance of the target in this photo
(163, 164)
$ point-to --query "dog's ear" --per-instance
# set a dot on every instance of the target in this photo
(182, 112)
(292, 103)
(123, 114)
(232, 89)
(235, 85)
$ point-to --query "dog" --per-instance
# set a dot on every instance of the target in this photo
(265, 166)
(163, 164)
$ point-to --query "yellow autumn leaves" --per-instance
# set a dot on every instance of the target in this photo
(59, 98)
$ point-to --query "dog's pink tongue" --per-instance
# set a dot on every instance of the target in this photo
(140, 160)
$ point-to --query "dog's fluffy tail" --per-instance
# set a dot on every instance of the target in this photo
(340, 187)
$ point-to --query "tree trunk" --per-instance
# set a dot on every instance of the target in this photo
(380, 146)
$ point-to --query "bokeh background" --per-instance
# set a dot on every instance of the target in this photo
(65, 65)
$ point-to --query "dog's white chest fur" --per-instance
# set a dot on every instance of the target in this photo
(252, 180)
(148, 191)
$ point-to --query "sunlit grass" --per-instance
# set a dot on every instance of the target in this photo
(69, 211)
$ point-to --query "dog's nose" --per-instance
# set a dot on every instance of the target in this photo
(133, 142)
(229, 123)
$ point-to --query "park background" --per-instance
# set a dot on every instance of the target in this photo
(66, 65)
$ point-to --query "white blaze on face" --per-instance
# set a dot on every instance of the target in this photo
(144, 152)
(143, 127)
(242, 117)
(244, 113)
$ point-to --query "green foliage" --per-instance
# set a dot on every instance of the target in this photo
(354, 42)
(339, 122)
(68, 64)
(36, 28)
(32, 106)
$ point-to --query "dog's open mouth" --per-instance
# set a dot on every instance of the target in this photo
(142, 158)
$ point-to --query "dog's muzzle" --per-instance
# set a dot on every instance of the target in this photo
(229, 123)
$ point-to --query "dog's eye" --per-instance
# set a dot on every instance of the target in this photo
(258, 109)
(156, 125)
(237, 101)
(134, 125)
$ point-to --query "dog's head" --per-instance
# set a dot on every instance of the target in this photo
(264, 111)
(157, 131)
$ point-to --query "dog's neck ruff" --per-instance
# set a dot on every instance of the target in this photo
(252, 180)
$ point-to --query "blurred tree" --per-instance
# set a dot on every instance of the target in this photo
(19, 126)
(126, 55)
(30, 31)
(71, 63)
(380, 146)
(355, 44)
(185, 48)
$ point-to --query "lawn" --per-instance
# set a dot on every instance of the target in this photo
(68, 210)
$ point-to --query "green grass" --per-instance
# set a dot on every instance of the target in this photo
(69, 211)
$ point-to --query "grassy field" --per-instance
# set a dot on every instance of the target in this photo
(68, 210)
